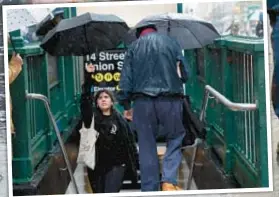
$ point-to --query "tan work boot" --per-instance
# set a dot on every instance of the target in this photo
(170, 187)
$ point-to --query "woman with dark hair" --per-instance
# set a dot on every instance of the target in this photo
(115, 147)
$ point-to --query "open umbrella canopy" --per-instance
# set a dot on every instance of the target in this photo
(85, 34)
(189, 31)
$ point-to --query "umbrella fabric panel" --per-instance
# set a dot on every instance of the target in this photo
(86, 18)
(81, 35)
(171, 16)
(188, 31)
(183, 32)
(108, 36)
(184, 36)
(61, 43)
(85, 40)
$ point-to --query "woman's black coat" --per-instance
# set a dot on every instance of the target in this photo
(87, 110)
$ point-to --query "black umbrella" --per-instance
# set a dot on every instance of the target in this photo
(189, 31)
(84, 34)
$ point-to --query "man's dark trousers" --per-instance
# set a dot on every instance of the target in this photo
(148, 114)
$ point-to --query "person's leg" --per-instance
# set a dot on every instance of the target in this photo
(169, 112)
(96, 180)
(145, 123)
(114, 179)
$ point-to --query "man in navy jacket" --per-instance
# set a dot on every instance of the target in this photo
(153, 74)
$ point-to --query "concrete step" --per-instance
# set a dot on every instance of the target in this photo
(207, 174)
(84, 187)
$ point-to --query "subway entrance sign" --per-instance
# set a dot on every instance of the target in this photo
(108, 66)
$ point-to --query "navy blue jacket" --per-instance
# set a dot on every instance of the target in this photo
(150, 68)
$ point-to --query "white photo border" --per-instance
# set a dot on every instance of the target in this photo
(158, 193)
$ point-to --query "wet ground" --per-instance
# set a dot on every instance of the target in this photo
(84, 187)
(206, 176)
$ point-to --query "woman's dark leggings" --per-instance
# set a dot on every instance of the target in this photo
(107, 181)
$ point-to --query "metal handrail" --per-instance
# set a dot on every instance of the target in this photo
(229, 104)
(51, 117)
